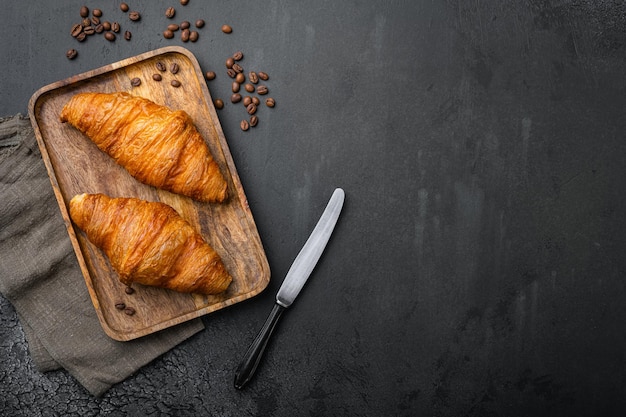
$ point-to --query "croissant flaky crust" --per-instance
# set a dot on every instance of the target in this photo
(156, 145)
(150, 243)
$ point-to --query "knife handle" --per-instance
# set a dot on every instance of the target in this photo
(251, 360)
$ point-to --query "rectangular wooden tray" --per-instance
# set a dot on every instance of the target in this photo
(75, 165)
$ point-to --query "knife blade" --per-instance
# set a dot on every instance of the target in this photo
(295, 279)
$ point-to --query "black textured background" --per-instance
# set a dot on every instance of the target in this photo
(478, 268)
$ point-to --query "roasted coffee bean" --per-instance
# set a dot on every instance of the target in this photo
(109, 36)
(240, 78)
(193, 36)
(89, 30)
(231, 73)
(120, 306)
(238, 56)
(185, 24)
(263, 76)
(229, 62)
(173, 27)
(161, 66)
(254, 121)
(84, 11)
(227, 29)
(115, 27)
(235, 87)
(168, 34)
(247, 100)
(76, 29)
(170, 12)
(253, 77)
(256, 101)
(244, 125)
(249, 88)
(174, 68)
(184, 35)
(129, 311)
(81, 37)
(184, 2)
(129, 289)
(210, 75)
(86, 22)
(99, 28)
(134, 16)
(124, 7)
(71, 54)
(97, 12)
(237, 68)
(200, 23)
(157, 77)
(106, 25)
(128, 35)
(251, 108)
(262, 90)
(235, 98)
(219, 103)
(175, 83)
(135, 82)
(95, 21)
(269, 102)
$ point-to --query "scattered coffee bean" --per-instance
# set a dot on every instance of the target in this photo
(253, 77)
(262, 90)
(184, 2)
(135, 82)
(129, 289)
(129, 311)
(71, 54)
(86, 22)
(81, 37)
(184, 35)
(84, 11)
(263, 76)
(95, 21)
(185, 24)
(249, 88)
(128, 35)
(124, 7)
(251, 108)
(157, 77)
(254, 121)
(120, 306)
(134, 16)
(106, 25)
(238, 56)
(235, 87)
(170, 12)
(99, 28)
(227, 29)
(230, 62)
(97, 12)
(175, 83)
(115, 27)
(256, 101)
(210, 75)
(193, 36)
(168, 34)
(237, 68)
(89, 30)
(244, 125)
(173, 27)
(235, 98)
(174, 68)
(240, 78)
(269, 102)
(231, 73)
(161, 66)
(76, 29)
(200, 23)
(247, 100)
(109, 36)
(219, 103)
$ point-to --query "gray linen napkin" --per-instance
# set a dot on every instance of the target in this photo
(40, 276)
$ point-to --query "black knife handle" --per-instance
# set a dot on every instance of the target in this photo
(251, 360)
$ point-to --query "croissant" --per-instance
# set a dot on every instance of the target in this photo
(156, 145)
(149, 243)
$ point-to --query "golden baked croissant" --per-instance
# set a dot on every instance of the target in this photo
(149, 243)
(156, 145)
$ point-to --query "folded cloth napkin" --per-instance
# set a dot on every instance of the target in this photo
(40, 276)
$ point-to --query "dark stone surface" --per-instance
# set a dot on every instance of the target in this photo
(478, 268)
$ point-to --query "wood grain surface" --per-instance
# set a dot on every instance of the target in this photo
(76, 165)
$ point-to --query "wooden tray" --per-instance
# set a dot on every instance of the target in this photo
(75, 165)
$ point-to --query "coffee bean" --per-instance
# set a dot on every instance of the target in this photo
(157, 77)
(81, 37)
(253, 77)
(200, 23)
(99, 28)
(256, 101)
(128, 35)
(115, 27)
(124, 7)
(262, 90)
(175, 83)
(95, 21)
(71, 54)
(229, 62)
(269, 102)
(89, 30)
(235, 98)
(109, 36)
(135, 82)
(254, 121)
(174, 68)
(97, 12)
(210, 75)
(249, 88)
(184, 2)
(231, 73)
(170, 12)
(168, 34)
(86, 22)
(120, 306)
(263, 76)
(134, 16)
(247, 100)
(173, 27)
(84, 11)
(235, 87)
(129, 289)
(237, 68)
(76, 29)
(129, 311)
(238, 56)
(227, 29)
(185, 24)
(161, 66)
(244, 125)
(251, 108)
(193, 36)
(106, 25)
(184, 35)
(219, 103)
